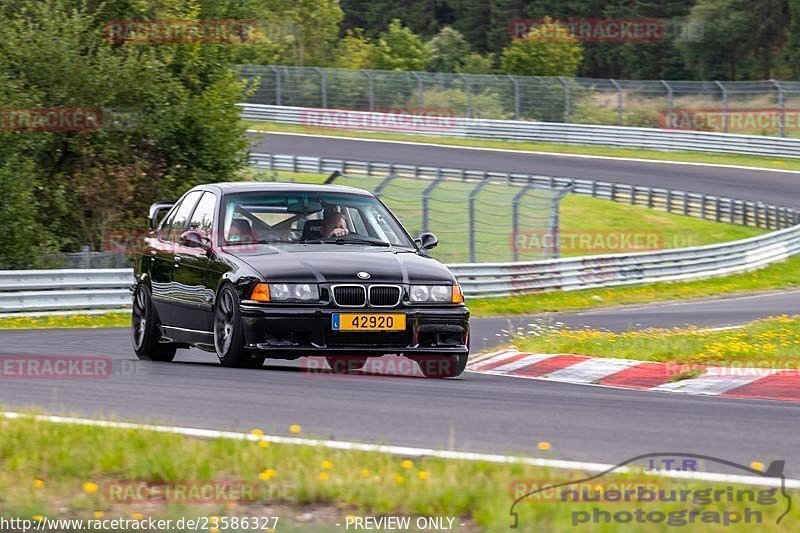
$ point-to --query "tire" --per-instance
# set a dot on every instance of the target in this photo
(344, 364)
(145, 329)
(443, 366)
(229, 332)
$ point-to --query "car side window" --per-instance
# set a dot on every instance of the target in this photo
(172, 229)
(203, 216)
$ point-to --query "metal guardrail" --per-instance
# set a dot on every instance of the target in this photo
(709, 207)
(64, 290)
(764, 107)
(26, 291)
(581, 134)
(503, 279)
(22, 291)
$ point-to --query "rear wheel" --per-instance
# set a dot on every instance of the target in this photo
(443, 366)
(146, 329)
(344, 364)
(229, 332)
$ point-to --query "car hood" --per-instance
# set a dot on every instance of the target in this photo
(339, 264)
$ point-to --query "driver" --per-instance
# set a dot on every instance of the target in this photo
(334, 225)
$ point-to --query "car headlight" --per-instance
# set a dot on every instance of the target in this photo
(431, 293)
(281, 292)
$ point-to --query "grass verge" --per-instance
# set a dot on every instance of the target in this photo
(772, 342)
(678, 156)
(778, 276)
(104, 320)
(47, 472)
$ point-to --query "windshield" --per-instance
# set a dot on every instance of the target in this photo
(310, 218)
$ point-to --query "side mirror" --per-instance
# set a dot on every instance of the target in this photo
(157, 212)
(195, 239)
(427, 241)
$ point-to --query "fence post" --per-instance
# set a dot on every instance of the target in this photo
(567, 101)
(515, 218)
(516, 96)
(323, 78)
(277, 72)
(421, 90)
(371, 81)
(383, 184)
(619, 101)
(724, 106)
(468, 87)
(554, 220)
(426, 196)
(781, 110)
(471, 202)
(670, 96)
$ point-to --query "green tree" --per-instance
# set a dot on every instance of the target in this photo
(447, 51)
(548, 50)
(355, 51)
(742, 39)
(476, 63)
(792, 50)
(399, 48)
(180, 100)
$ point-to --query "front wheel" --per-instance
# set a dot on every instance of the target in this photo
(146, 329)
(443, 366)
(229, 332)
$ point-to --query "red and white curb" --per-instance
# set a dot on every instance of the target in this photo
(643, 375)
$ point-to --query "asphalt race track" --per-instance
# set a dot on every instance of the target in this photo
(472, 413)
(489, 332)
(780, 188)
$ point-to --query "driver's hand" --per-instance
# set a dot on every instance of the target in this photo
(339, 232)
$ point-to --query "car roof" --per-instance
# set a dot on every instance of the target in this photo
(230, 187)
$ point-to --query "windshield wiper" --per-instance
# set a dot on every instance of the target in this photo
(270, 241)
(340, 240)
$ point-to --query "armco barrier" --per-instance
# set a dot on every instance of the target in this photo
(709, 207)
(658, 139)
(59, 290)
(64, 290)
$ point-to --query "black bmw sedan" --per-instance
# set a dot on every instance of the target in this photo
(256, 270)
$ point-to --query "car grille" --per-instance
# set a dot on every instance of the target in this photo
(350, 295)
(372, 339)
(384, 295)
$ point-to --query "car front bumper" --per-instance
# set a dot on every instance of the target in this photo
(295, 332)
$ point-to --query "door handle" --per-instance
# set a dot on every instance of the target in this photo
(177, 260)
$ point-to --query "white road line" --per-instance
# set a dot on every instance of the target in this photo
(404, 451)
(532, 152)
(592, 370)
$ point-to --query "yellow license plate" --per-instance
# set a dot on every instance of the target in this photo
(368, 322)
